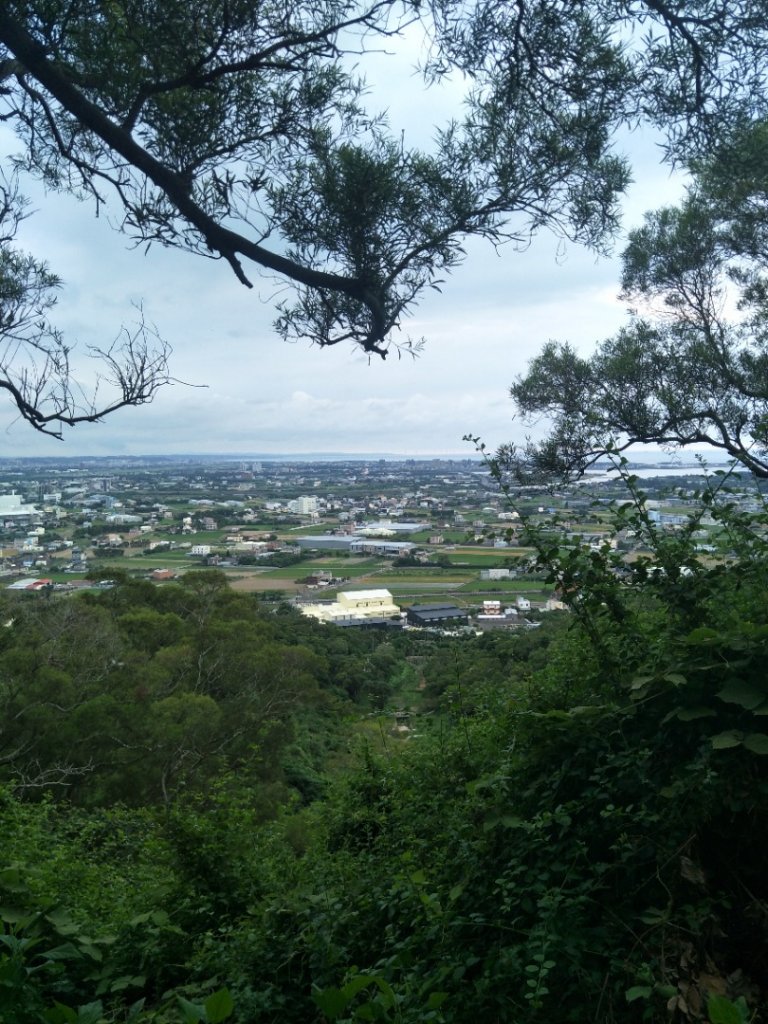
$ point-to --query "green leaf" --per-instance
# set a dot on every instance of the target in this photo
(743, 694)
(725, 740)
(638, 992)
(665, 991)
(192, 1013)
(436, 1000)
(127, 981)
(640, 681)
(134, 1010)
(12, 915)
(691, 714)
(66, 951)
(388, 998)
(368, 1011)
(62, 922)
(757, 742)
(675, 678)
(87, 948)
(90, 1013)
(703, 635)
(505, 821)
(219, 1006)
(722, 1011)
(357, 984)
(60, 1014)
(10, 879)
(331, 1001)
(654, 916)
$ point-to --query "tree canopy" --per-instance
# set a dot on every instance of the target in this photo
(239, 131)
(691, 366)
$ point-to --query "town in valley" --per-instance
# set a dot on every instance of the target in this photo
(390, 542)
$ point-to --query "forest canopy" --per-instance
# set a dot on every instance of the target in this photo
(207, 817)
(241, 132)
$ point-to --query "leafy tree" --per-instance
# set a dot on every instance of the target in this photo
(238, 131)
(692, 365)
(57, 694)
(139, 693)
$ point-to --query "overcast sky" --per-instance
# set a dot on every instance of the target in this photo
(254, 393)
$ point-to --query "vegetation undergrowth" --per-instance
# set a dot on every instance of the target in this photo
(576, 831)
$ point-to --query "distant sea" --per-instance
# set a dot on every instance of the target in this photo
(648, 471)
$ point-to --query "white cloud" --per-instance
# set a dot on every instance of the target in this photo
(261, 394)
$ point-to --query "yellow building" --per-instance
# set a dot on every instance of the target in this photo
(355, 604)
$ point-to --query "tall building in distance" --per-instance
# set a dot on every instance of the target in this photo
(303, 506)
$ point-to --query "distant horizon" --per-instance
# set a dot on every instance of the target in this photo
(645, 458)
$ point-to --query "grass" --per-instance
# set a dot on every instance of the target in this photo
(449, 536)
(146, 562)
(436, 576)
(287, 532)
(347, 569)
(488, 558)
(507, 587)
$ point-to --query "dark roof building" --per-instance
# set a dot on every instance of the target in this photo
(436, 615)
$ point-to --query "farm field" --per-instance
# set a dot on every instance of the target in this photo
(256, 583)
(460, 584)
(178, 561)
(487, 558)
(349, 568)
(508, 587)
(449, 536)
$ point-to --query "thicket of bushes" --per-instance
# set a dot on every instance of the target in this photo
(577, 832)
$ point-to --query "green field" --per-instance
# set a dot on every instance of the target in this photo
(508, 587)
(488, 558)
(449, 536)
(348, 568)
(418, 586)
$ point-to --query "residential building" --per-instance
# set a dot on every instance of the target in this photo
(303, 506)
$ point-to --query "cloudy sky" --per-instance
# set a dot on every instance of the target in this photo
(249, 392)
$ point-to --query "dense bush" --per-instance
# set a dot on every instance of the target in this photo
(576, 831)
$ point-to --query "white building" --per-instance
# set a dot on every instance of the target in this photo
(249, 545)
(495, 574)
(12, 507)
(303, 506)
(355, 605)
(386, 528)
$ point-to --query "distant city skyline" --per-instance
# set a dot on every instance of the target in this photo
(685, 460)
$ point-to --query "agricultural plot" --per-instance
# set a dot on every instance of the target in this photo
(527, 587)
(346, 568)
(449, 536)
(487, 558)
